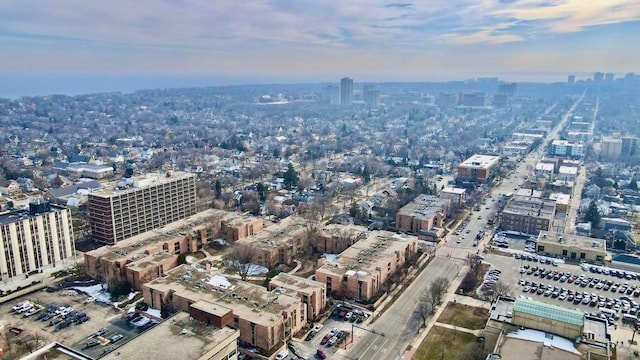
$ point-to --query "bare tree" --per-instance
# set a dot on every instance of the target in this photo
(501, 288)
(425, 308)
(437, 290)
(241, 258)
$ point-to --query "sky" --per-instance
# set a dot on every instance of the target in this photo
(74, 45)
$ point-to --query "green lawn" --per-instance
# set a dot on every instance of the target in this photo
(473, 318)
(443, 343)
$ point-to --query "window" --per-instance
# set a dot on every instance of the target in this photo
(564, 252)
(582, 255)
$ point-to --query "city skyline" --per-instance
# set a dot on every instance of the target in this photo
(291, 42)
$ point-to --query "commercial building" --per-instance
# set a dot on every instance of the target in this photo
(478, 168)
(313, 294)
(458, 196)
(360, 271)
(422, 214)
(346, 91)
(331, 94)
(473, 99)
(611, 147)
(565, 148)
(371, 95)
(35, 239)
(553, 319)
(280, 242)
(265, 319)
(92, 171)
(149, 255)
(572, 246)
(189, 339)
(528, 214)
(544, 171)
(567, 174)
(133, 206)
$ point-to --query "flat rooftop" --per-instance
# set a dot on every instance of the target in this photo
(247, 300)
(177, 337)
(138, 182)
(480, 161)
(531, 206)
(292, 284)
(560, 198)
(572, 240)
(375, 251)
(276, 235)
(452, 190)
(147, 243)
(544, 166)
(11, 216)
(424, 206)
(571, 170)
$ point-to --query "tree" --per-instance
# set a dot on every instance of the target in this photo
(290, 177)
(425, 308)
(437, 290)
(469, 282)
(501, 288)
(262, 191)
(593, 215)
(241, 258)
(633, 185)
(218, 187)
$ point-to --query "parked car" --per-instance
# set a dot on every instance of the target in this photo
(91, 343)
(321, 354)
(115, 338)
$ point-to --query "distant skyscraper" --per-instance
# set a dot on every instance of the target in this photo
(598, 76)
(508, 89)
(331, 94)
(609, 77)
(346, 91)
(371, 95)
(571, 79)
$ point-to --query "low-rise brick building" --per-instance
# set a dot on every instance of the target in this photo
(361, 270)
(312, 293)
(265, 319)
(528, 214)
(422, 214)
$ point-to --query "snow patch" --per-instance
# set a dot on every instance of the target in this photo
(219, 281)
(540, 336)
(330, 257)
(153, 312)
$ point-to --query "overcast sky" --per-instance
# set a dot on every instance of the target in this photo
(308, 41)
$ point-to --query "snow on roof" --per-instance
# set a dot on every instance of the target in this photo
(540, 336)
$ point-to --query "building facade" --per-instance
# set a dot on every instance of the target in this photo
(35, 239)
(528, 215)
(478, 168)
(564, 148)
(141, 204)
(422, 214)
(572, 247)
(312, 293)
(346, 91)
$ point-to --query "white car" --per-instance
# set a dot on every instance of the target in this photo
(318, 327)
(282, 355)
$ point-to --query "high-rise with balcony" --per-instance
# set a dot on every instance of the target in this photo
(132, 206)
(346, 91)
(35, 239)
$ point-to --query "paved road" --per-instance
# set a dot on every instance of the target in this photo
(400, 323)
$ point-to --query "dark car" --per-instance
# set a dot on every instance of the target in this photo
(91, 343)
(310, 336)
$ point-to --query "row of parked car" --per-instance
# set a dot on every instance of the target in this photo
(58, 316)
(490, 280)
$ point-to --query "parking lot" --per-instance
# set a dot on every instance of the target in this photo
(607, 293)
(334, 333)
(65, 316)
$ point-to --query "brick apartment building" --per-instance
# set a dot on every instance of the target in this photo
(361, 270)
(422, 214)
(266, 319)
(336, 238)
(478, 168)
(528, 214)
(279, 243)
(132, 206)
(147, 256)
(312, 293)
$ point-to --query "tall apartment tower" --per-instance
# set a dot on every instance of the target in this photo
(35, 239)
(371, 95)
(346, 91)
(598, 76)
(331, 94)
(571, 79)
(133, 206)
